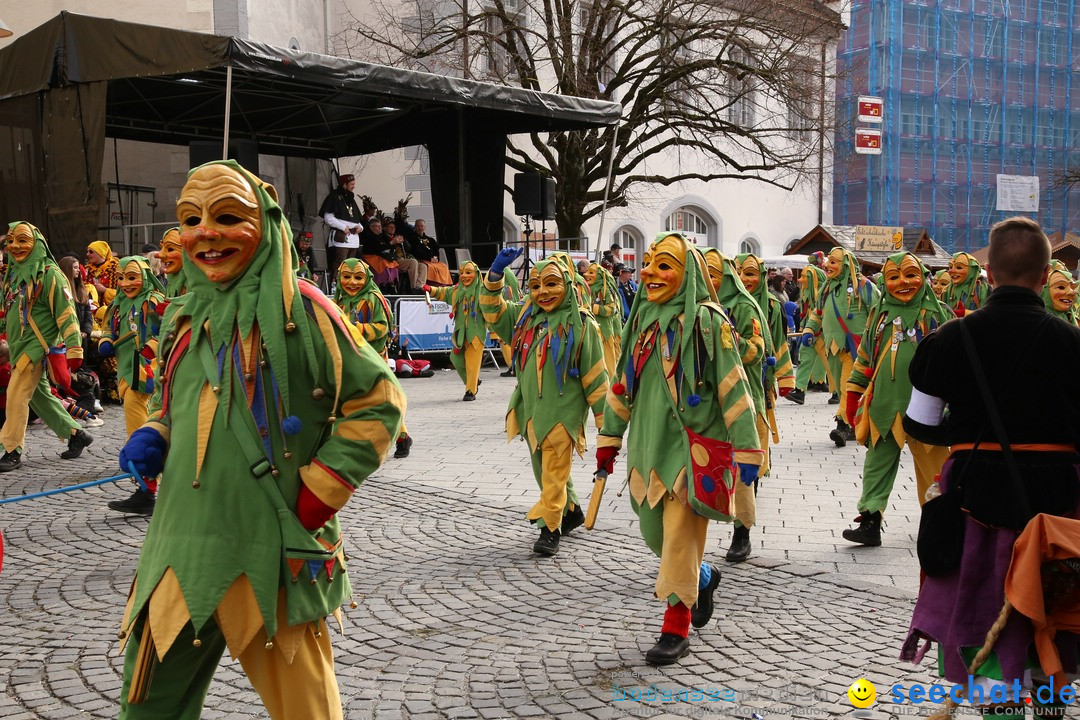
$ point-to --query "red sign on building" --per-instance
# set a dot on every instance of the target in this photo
(871, 109)
(867, 141)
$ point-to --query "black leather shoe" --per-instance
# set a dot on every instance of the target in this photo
(10, 461)
(140, 503)
(668, 650)
(869, 531)
(840, 434)
(834, 399)
(508, 372)
(701, 613)
(740, 545)
(80, 440)
(547, 544)
(571, 520)
(469, 396)
(797, 396)
(403, 444)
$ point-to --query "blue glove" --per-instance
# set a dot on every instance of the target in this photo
(807, 339)
(105, 348)
(748, 474)
(502, 261)
(146, 450)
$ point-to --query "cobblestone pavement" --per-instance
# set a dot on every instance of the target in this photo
(458, 619)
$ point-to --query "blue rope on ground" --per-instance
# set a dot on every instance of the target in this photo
(58, 491)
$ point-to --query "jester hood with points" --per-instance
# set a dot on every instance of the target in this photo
(606, 304)
(134, 325)
(40, 313)
(558, 356)
(1059, 272)
(843, 307)
(972, 293)
(464, 301)
(782, 371)
(880, 372)
(368, 309)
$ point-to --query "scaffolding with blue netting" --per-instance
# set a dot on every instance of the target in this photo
(972, 89)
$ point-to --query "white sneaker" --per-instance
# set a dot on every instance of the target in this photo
(93, 422)
(97, 407)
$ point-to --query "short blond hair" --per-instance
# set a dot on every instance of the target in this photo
(1019, 251)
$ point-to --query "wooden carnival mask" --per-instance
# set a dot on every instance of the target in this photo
(662, 270)
(131, 279)
(20, 242)
(942, 281)
(959, 268)
(221, 222)
(750, 274)
(715, 263)
(1062, 293)
(903, 281)
(834, 263)
(467, 275)
(352, 279)
(547, 287)
(171, 253)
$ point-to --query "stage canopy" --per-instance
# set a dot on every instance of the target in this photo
(71, 82)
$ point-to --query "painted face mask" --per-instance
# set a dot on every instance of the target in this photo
(834, 263)
(750, 275)
(942, 281)
(1062, 294)
(716, 270)
(352, 281)
(221, 222)
(662, 270)
(20, 242)
(467, 276)
(171, 254)
(548, 288)
(959, 268)
(904, 280)
(131, 280)
(590, 274)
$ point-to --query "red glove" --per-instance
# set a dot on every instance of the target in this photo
(312, 512)
(426, 288)
(959, 311)
(148, 352)
(74, 364)
(605, 459)
(851, 406)
(785, 391)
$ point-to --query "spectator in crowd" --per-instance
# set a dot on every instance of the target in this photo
(583, 267)
(104, 270)
(790, 286)
(627, 288)
(341, 213)
(401, 251)
(308, 268)
(377, 254)
(69, 265)
(426, 249)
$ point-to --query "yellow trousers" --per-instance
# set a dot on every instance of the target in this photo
(136, 407)
(677, 535)
(467, 363)
(551, 463)
(29, 388)
(838, 368)
(508, 354)
(612, 348)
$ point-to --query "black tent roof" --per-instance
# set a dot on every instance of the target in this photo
(167, 85)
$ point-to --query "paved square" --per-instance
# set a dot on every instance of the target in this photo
(458, 619)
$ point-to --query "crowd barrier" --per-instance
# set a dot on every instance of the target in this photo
(428, 328)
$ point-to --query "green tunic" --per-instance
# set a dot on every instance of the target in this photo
(606, 305)
(559, 358)
(843, 309)
(970, 294)
(464, 304)
(367, 310)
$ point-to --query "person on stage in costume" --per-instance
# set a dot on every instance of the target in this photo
(559, 359)
(678, 348)
(42, 326)
(811, 367)
(367, 309)
(755, 344)
(132, 337)
(941, 284)
(840, 319)
(606, 309)
(1059, 293)
(270, 413)
(878, 390)
(969, 288)
(469, 329)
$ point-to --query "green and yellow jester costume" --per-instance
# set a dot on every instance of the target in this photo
(880, 389)
(678, 349)
(270, 412)
(171, 256)
(469, 329)
(941, 283)
(512, 292)
(840, 319)
(559, 361)
(607, 309)
(969, 288)
(1059, 293)
(755, 344)
(133, 323)
(40, 321)
(811, 367)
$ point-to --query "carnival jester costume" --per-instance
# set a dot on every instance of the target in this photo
(269, 414)
(840, 319)
(1059, 293)
(941, 283)
(755, 344)
(680, 367)
(512, 292)
(171, 256)
(811, 367)
(40, 322)
(559, 362)
(969, 288)
(607, 309)
(878, 390)
(365, 306)
(469, 330)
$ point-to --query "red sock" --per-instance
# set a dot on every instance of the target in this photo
(151, 484)
(677, 620)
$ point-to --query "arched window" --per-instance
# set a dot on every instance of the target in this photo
(690, 224)
(749, 245)
(629, 238)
